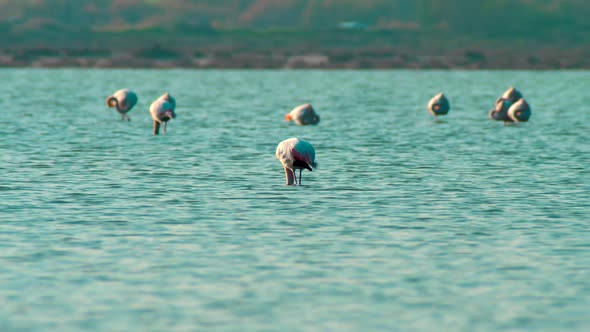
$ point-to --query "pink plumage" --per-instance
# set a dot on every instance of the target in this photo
(123, 100)
(303, 115)
(295, 154)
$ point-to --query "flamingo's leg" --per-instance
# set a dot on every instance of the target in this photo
(156, 127)
(300, 177)
(289, 176)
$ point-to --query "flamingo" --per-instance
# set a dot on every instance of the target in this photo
(303, 115)
(503, 105)
(162, 110)
(439, 105)
(520, 111)
(500, 112)
(123, 100)
(295, 154)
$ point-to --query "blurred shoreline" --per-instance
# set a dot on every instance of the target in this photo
(287, 49)
(295, 34)
(227, 58)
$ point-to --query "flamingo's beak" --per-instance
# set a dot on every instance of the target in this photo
(288, 117)
(171, 114)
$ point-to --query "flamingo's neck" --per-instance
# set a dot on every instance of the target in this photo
(114, 102)
(289, 176)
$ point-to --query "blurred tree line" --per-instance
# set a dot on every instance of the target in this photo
(497, 19)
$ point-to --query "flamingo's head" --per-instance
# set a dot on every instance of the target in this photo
(288, 117)
(494, 114)
(111, 101)
(170, 114)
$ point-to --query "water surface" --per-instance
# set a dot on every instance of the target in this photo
(408, 225)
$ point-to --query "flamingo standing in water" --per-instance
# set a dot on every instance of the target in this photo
(439, 105)
(123, 100)
(162, 110)
(520, 111)
(500, 112)
(505, 103)
(303, 115)
(295, 154)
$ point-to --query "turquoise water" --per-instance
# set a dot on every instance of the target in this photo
(407, 225)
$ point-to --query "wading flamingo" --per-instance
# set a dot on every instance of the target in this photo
(303, 115)
(162, 110)
(520, 111)
(123, 101)
(295, 154)
(439, 105)
(500, 112)
(505, 103)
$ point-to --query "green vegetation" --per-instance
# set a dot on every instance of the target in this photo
(539, 31)
(536, 19)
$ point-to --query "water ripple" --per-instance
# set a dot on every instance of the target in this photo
(461, 225)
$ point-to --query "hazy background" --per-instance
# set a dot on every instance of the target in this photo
(346, 33)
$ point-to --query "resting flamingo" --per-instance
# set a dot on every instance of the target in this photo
(439, 105)
(162, 110)
(303, 115)
(123, 100)
(503, 105)
(500, 112)
(295, 154)
(520, 111)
